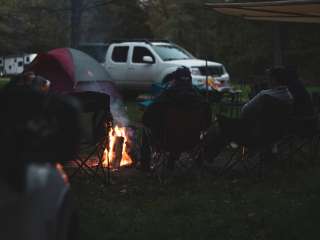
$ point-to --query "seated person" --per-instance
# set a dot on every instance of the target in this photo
(302, 105)
(37, 130)
(261, 119)
(179, 91)
(275, 100)
(29, 80)
(178, 115)
(35, 127)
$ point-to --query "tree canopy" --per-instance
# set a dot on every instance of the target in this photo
(244, 47)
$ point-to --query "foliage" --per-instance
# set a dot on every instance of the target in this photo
(246, 48)
(32, 26)
(118, 19)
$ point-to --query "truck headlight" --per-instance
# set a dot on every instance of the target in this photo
(195, 71)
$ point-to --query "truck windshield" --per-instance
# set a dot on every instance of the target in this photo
(171, 52)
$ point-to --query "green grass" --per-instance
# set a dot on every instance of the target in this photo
(312, 89)
(283, 206)
(139, 207)
(3, 82)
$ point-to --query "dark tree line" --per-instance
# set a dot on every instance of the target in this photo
(246, 48)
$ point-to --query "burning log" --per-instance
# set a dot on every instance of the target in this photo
(117, 152)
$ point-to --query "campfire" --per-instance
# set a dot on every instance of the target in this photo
(117, 151)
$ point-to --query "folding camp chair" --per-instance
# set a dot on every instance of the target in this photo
(293, 142)
(303, 140)
(247, 152)
(96, 120)
(179, 132)
(230, 104)
(255, 138)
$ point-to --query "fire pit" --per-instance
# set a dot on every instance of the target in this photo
(116, 153)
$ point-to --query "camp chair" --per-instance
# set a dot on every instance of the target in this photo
(255, 139)
(95, 120)
(180, 130)
(302, 141)
(248, 146)
(230, 104)
(146, 100)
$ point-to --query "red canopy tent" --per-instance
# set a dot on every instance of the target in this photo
(70, 70)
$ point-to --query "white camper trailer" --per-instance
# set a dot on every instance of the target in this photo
(13, 65)
(28, 58)
(1, 66)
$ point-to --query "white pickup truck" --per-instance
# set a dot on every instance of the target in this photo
(136, 65)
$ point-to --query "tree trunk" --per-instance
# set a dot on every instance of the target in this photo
(278, 45)
(76, 13)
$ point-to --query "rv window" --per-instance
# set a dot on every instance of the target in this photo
(20, 64)
(28, 59)
(10, 67)
(120, 54)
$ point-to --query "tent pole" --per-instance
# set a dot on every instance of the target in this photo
(207, 83)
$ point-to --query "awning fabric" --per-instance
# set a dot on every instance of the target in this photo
(307, 11)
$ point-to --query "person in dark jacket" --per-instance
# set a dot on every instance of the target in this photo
(179, 92)
(35, 127)
(29, 80)
(176, 117)
(302, 99)
(261, 119)
(261, 106)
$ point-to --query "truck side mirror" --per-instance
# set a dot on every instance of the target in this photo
(148, 59)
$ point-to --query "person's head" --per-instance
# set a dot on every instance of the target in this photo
(278, 76)
(32, 81)
(41, 84)
(181, 76)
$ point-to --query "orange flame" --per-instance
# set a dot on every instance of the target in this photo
(63, 174)
(113, 133)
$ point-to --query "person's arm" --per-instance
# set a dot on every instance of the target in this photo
(252, 108)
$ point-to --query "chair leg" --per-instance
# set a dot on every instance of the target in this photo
(82, 166)
(230, 164)
(173, 157)
(106, 177)
(93, 171)
(145, 151)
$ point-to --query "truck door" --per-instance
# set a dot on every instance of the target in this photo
(141, 73)
(117, 63)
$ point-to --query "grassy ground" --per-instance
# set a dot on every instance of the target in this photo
(139, 207)
(284, 205)
(3, 81)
